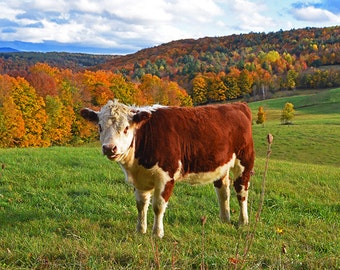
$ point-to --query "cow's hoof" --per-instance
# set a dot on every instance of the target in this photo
(243, 222)
(158, 233)
(225, 220)
(141, 229)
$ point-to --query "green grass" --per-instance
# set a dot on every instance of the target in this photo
(69, 207)
(313, 138)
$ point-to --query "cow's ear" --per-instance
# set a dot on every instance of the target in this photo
(141, 117)
(89, 115)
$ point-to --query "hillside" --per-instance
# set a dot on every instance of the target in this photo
(296, 42)
(18, 63)
(275, 53)
(182, 60)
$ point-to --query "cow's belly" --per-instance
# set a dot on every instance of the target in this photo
(145, 179)
(208, 177)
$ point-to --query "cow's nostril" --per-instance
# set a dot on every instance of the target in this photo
(109, 149)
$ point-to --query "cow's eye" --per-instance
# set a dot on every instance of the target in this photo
(126, 130)
(100, 128)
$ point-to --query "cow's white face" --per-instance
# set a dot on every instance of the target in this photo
(117, 124)
(116, 130)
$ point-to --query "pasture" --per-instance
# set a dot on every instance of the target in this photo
(69, 207)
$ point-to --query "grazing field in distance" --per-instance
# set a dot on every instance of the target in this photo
(69, 207)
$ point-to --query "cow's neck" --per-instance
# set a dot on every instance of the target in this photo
(128, 158)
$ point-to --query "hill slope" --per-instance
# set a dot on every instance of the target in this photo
(317, 46)
(314, 136)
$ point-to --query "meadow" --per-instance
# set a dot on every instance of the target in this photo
(69, 207)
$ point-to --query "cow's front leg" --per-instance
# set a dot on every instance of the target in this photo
(222, 188)
(142, 201)
(160, 202)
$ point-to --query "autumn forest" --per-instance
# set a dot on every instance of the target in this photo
(41, 94)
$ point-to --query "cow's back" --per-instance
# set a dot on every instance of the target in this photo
(201, 138)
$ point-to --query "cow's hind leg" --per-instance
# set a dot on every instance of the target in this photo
(222, 188)
(142, 201)
(241, 183)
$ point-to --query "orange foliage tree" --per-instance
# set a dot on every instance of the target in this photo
(42, 77)
(99, 86)
(12, 125)
(162, 91)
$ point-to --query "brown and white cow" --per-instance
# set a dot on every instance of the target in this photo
(157, 146)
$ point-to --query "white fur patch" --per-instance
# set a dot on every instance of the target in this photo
(145, 179)
(209, 177)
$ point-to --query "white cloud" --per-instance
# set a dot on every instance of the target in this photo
(195, 10)
(9, 12)
(144, 23)
(313, 14)
(251, 15)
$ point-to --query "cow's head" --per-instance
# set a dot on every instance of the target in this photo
(117, 124)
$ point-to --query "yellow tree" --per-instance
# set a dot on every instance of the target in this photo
(123, 90)
(231, 82)
(58, 125)
(199, 90)
(287, 114)
(291, 79)
(245, 82)
(33, 112)
(261, 116)
(12, 125)
(175, 95)
(150, 87)
(216, 89)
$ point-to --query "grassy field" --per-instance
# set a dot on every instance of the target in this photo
(69, 207)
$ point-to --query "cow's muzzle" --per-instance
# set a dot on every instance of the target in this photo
(109, 150)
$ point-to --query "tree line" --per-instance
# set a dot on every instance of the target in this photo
(43, 108)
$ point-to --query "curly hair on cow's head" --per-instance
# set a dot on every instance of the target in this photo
(114, 108)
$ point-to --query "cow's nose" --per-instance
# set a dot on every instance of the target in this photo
(109, 149)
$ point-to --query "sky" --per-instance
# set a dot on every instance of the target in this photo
(127, 26)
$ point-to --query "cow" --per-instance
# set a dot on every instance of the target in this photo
(157, 146)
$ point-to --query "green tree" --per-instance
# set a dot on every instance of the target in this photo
(245, 82)
(59, 123)
(232, 89)
(291, 79)
(123, 90)
(287, 114)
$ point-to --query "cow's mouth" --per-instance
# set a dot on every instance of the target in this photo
(112, 157)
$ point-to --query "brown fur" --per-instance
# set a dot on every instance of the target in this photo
(202, 138)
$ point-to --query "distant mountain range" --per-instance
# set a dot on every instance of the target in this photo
(7, 49)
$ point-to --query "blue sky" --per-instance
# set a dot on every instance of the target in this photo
(126, 26)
